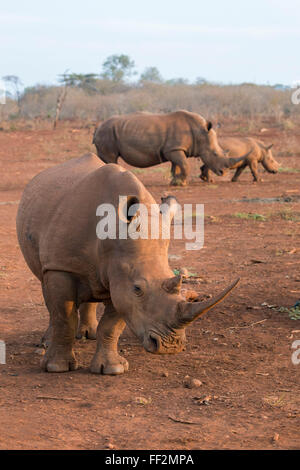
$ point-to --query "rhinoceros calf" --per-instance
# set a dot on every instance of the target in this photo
(146, 139)
(256, 152)
(56, 226)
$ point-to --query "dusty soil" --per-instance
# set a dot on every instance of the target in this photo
(240, 351)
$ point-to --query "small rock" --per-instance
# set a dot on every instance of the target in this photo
(110, 446)
(189, 382)
(165, 373)
(143, 400)
(275, 437)
(205, 400)
(40, 351)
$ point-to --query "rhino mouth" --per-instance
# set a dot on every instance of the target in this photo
(158, 344)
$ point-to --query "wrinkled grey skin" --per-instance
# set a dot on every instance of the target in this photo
(146, 139)
(56, 226)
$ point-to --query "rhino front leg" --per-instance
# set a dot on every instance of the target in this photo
(254, 171)
(106, 359)
(88, 321)
(205, 174)
(178, 159)
(59, 290)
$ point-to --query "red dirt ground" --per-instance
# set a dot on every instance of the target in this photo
(240, 351)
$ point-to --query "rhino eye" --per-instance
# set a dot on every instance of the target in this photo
(137, 290)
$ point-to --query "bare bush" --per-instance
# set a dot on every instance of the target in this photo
(211, 100)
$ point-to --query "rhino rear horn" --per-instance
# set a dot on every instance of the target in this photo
(189, 312)
(172, 285)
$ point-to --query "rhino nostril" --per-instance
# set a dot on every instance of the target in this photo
(154, 342)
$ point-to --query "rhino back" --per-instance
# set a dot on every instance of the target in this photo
(56, 221)
(238, 146)
(148, 134)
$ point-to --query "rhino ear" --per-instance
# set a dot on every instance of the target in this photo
(172, 285)
(209, 125)
(268, 147)
(125, 209)
(169, 206)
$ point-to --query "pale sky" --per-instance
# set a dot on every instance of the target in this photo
(227, 41)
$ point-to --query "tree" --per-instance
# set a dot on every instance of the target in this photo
(86, 81)
(117, 68)
(15, 84)
(200, 81)
(151, 74)
(177, 81)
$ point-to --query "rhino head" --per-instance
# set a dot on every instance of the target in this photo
(268, 161)
(155, 309)
(145, 292)
(215, 158)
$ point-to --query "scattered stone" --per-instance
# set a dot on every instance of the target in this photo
(165, 373)
(275, 437)
(40, 351)
(143, 401)
(204, 400)
(190, 382)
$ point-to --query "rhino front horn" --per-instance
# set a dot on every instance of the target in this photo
(173, 285)
(189, 312)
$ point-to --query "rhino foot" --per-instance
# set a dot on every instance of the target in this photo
(59, 362)
(178, 182)
(87, 331)
(258, 180)
(207, 180)
(115, 365)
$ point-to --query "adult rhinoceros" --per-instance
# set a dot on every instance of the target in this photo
(56, 225)
(145, 139)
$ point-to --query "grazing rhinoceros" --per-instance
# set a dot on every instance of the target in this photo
(56, 225)
(256, 152)
(145, 139)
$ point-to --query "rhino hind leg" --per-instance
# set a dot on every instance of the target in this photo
(108, 157)
(238, 172)
(88, 321)
(59, 290)
(106, 359)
